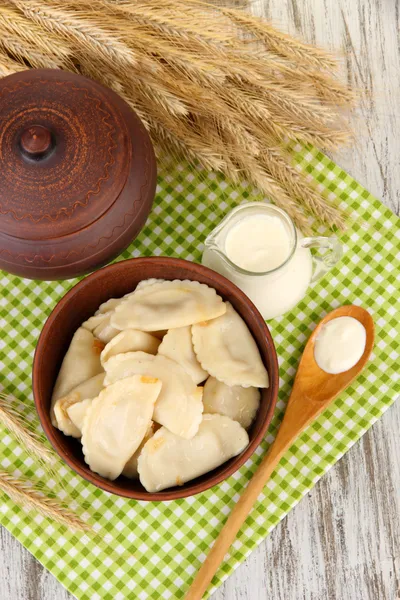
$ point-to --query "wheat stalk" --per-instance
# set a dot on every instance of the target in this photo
(8, 65)
(278, 164)
(213, 84)
(59, 21)
(173, 23)
(19, 51)
(26, 41)
(282, 44)
(22, 493)
(17, 424)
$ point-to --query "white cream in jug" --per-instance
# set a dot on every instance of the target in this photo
(340, 344)
(258, 243)
(261, 243)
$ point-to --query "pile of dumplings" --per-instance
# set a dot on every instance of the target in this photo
(129, 385)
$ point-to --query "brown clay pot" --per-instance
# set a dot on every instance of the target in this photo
(78, 174)
(115, 281)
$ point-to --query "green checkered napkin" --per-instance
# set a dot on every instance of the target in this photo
(154, 549)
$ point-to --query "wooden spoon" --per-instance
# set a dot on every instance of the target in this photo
(313, 391)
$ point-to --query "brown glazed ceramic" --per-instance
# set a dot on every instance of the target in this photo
(78, 174)
(115, 281)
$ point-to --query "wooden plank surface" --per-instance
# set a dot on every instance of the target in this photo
(341, 542)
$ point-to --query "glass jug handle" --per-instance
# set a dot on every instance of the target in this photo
(330, 252)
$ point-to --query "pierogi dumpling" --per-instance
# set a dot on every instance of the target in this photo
(146, 282)
(179, 406)
(116, 423)
(105, 331)
(87, 390)
(110, 305)
(226, 349)
(81, 362)
(178, 346)
(238, 403)
(127, 364)
(130, 469)
(130, 340)
(96, 321)
(77, 413)
(168, 460)
(167, 305)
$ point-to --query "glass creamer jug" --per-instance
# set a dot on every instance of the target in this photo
(257, 247)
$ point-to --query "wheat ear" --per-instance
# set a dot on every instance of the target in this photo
(8, 66)
(278, 164)
(77, 30)
(17, 425)
(24, 53)
(281, 43)
(26, 496)
(27, 41)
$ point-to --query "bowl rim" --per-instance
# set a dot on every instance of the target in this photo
(188, 489)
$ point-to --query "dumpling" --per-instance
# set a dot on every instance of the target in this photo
(77, 413)
(107, 306)
(238, 403)
(127, 364)
(130, 469)
(146, 282)
(87, 390)
(100, 326)
(105, 331)
(168, 460)
(178, 346)
(111, 304)
(81, 362)
(90, 388)
(226, 349)
(130, 340)
(96, 321)
(167, 305)
(179, 406)
(64, 423)
(116, 423)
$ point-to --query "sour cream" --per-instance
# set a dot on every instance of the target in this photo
(258, 243)
(339, 345)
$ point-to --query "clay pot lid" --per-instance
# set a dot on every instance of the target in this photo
(70, 149)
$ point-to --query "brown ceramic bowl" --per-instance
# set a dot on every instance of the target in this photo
(81, 302)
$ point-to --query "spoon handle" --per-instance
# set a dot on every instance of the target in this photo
(299, 413)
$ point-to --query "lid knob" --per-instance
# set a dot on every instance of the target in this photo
(36, 141)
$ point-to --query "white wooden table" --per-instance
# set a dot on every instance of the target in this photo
(342, 542)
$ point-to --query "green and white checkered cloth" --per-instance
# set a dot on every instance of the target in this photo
(154, 549)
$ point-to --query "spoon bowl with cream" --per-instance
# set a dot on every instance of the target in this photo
(337, 351)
